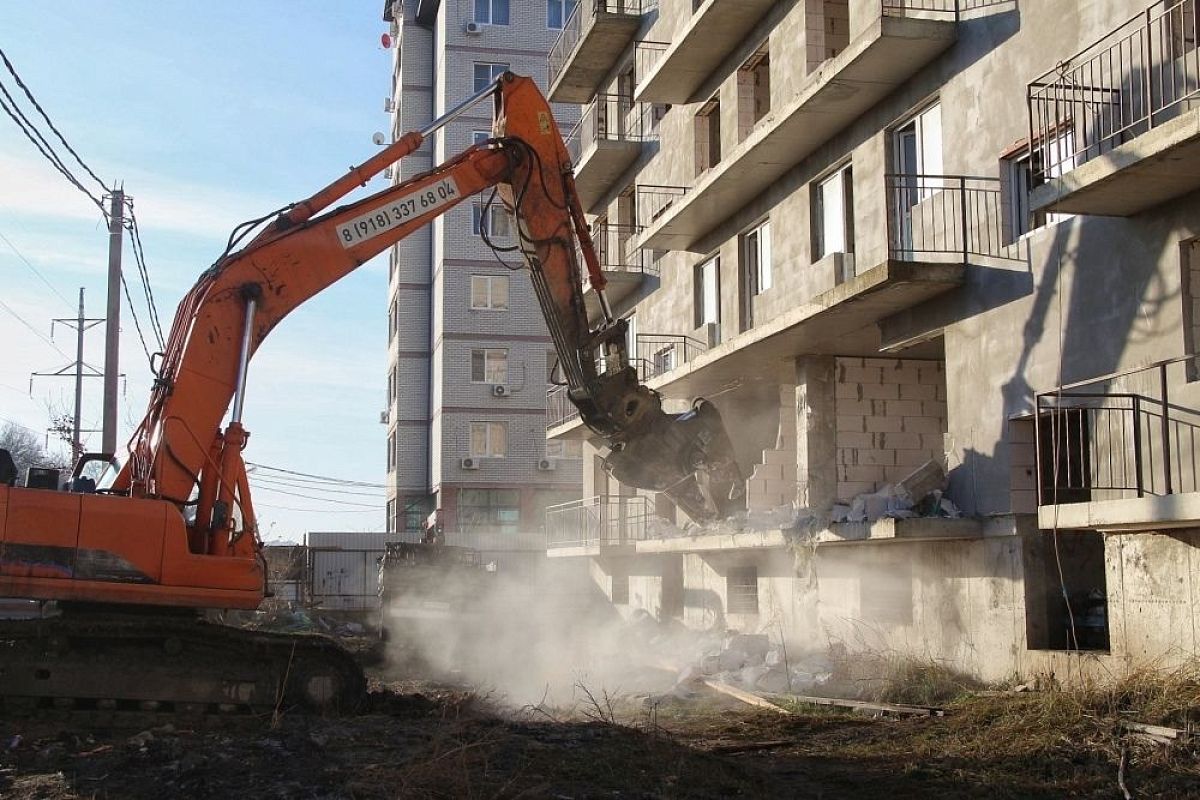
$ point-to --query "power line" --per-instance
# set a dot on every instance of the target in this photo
(311, 488)
(319, 510)
(139, 257)
(136, 323)
(376, 506)
(32, 329)
(35, 270)
(327, 478)
(13, 71)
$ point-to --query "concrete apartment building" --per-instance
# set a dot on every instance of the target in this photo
(468, 348)
(879, 232)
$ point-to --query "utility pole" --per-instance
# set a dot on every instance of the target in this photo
(80, 324)
(116, 232)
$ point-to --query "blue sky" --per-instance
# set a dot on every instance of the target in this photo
(209, 113)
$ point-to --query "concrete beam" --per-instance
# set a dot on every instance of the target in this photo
(1134, 514)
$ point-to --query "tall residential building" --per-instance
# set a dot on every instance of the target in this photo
(469, 352)
(884, 233)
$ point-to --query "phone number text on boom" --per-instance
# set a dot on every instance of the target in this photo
(399, 211)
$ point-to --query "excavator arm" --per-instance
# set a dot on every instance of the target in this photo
(179, 452)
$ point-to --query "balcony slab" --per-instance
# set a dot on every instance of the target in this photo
(623, 286)
(917, 529)
(589, 550)
(1150, 169)
(828, 324)
(600, 167)
(1127, 515)
(889, 52)
(604, 36)
(714, 31)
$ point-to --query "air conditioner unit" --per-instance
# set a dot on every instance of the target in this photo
(389, 105)
(383, 418)
(473, 28)
(500, 390)
(547, 464)
(470, 463)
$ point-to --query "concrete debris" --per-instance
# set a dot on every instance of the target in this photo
(753, 662)
(920, 494)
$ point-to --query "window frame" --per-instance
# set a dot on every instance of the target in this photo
(737, 602)
(565, 9)
(491, 6)
(844, 175)
(489, 281)
(700, 293)
(487, 354)
(488, 427)
(558, 449)
(493, 231)
(493, 72)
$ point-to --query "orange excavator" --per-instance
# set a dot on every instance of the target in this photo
(131, 559)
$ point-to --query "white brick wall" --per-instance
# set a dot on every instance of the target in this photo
(891, 414)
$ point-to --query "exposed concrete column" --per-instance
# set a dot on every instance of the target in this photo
(816, 431)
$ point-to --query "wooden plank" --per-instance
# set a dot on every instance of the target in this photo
(883, 708)
(1156, 731)
(750, 698)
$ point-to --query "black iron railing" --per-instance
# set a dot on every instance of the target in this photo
(659, 353)
(604, 520)
(580, 20)
(950, 9)
(948, 216)
(617, 250)
(1097, 442)
(1142, 74)
(610, 117)
(652, 201)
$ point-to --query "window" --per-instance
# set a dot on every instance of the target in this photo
(391, 453)
(491, 12)
(918, 145)
(564, 448)
(833, 214)
(558, 12)
(741, 588)
(489, 366)
(489, 510)
(708, 135)
(417, 511)
(479, 137)
(1023, 171)
(755, 275)
(488, 440)
(1066, 592)
(753, 90)
(499, 223)
(664, 359)
(393, 311)
(391, 386)
(486, 73)
(707, 292)
(390, 517)
(489, 292)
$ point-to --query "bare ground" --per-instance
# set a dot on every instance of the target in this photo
(419, 740)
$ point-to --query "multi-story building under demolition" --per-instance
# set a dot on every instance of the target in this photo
(883, 232)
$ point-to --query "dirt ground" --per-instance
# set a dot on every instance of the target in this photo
(422, 740)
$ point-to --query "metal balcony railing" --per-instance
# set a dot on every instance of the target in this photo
(932, 8)
(652, 201)
(944, 217)
(610, 117)
(583, 15)
(604, 520)
(1097, 442)
(1142, 74)
(559, 408)
(617, 251)
(659, 353)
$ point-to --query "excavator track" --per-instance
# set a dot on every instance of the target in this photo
(115, 665)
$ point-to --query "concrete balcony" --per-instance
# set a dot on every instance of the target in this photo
(886, 54)
(629, 270)
(1111, 459)
(593, 38)
(716, 29)
(936, 225)
(918, 529)
(1116, 128)
(610, 136)
(605, 524)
